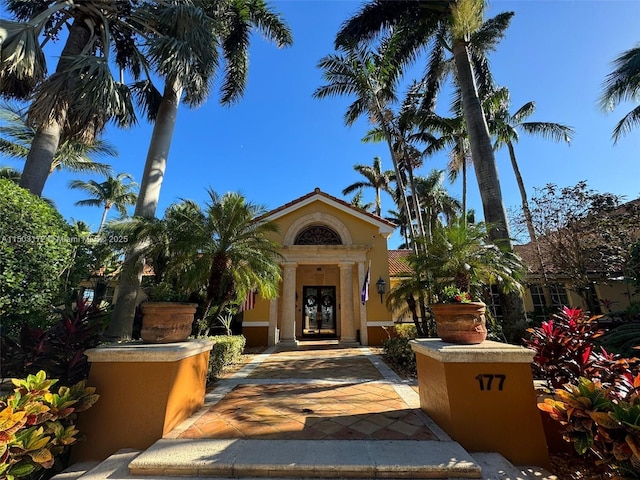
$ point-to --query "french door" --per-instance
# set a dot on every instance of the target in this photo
(319, 311)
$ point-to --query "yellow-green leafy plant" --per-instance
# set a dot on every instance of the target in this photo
(599, 421)
(37, 424)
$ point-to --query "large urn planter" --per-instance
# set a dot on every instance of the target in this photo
(167, 322)
(462, 323)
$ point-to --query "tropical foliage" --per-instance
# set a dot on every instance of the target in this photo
(457, 255)
(38, 424)
(72, 154)
(219, 252)
(58, 349)
(185, 47)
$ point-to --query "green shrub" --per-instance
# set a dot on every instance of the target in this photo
(398, 353)
(35, 254)
(37, 424)
(226, 351)
(406, 330)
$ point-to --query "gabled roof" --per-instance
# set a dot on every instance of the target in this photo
(398, 266)
(385, 227)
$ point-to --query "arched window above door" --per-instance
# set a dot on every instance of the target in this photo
(317, 235)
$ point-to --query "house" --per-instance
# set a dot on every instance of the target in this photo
(331, 252)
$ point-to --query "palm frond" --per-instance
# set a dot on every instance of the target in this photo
(628, 122)
(623, 83)
(551, 131)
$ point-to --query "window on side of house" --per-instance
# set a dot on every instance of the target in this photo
(559, 297)
(538, 301)
(494, 302)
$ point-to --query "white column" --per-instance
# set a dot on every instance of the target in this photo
(364, 334)
(347, 326)
(288, 324)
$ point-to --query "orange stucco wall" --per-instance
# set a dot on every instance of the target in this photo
(139, 403)
(256, 336)
(505, 421)
(377, 335)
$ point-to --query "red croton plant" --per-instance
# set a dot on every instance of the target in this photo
(596, 393)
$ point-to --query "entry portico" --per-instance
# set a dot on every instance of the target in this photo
(327, 246)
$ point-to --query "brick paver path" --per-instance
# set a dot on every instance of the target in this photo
(329, 393)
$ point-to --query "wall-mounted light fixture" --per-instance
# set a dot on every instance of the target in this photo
(382, 285)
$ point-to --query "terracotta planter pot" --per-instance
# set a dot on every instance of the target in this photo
(460, 322)
(166, 322)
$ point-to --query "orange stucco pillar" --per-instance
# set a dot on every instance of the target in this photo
(483, 397)
(145, 391)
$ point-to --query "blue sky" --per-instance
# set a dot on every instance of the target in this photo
(279, 143)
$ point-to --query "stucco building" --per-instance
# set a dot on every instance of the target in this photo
(327, 248)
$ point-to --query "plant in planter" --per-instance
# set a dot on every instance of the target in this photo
(456, 262)
(167, 315)
(217, 253)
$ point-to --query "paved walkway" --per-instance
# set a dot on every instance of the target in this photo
(314, 392)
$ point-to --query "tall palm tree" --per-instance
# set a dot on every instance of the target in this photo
(419, 24)
(81, 97)
(72, 154)
(372, 79)
(112, 193)
(375, 178)
(623, 84)
(453, 25)
(185, 52)
(505, 126)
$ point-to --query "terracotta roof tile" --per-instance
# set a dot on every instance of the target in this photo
(398, 266)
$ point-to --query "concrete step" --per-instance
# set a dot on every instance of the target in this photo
(240, 458)
(496, 467)
(493, 467)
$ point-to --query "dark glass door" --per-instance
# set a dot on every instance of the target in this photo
(319, 311)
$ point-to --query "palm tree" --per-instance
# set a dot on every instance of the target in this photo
(226, 251)
(623, 84)
(436, 200)
(113, 192)
(72, 154)
(10, 174)
(452, 25)
(375, 178)
(186, 54)
(82, 96)
(505, 126)
(420, 24)
(461, 255)
(358, 202)
(372, 79)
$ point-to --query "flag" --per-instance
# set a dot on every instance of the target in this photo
(250, 302)
(364, 295)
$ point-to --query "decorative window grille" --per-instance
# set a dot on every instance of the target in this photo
(317, 235)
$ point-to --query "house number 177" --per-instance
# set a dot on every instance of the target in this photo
(486, 381)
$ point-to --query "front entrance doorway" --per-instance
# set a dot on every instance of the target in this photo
(319, 312)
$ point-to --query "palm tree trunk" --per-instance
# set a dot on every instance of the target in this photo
(415, 198)
(488, 181)
(47, 137)
(158, 153)
(378, 202)
(464, 192)
(38, 165)
(124, 311)
(104, 218)
(481, 149)
(401, 186)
